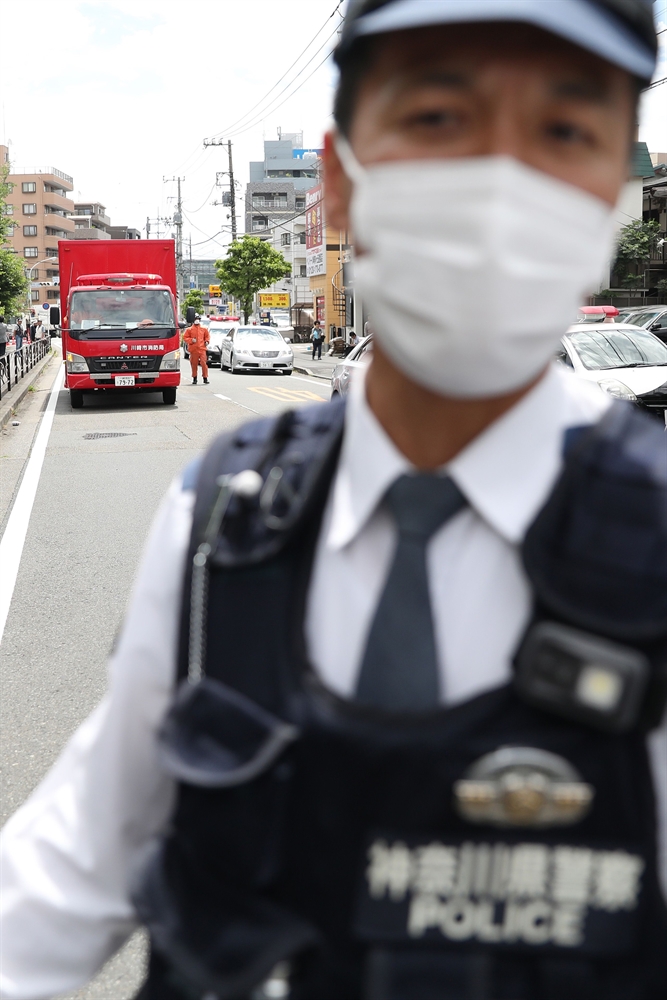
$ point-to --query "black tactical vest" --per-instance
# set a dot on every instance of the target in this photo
(376, 853)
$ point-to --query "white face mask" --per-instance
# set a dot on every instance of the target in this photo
(472, 269)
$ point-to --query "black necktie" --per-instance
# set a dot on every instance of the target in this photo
(399, 670)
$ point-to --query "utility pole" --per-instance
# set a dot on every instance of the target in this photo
(178, 222)
(148, 228)
(232, 189)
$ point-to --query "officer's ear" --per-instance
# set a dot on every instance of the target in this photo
(337, 186)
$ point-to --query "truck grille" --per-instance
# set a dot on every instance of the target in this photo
(132, 364)
(265, 354)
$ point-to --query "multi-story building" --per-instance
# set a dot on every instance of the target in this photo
(275, 208)
(91, 221)
(278, 183)
(41, 210)
(202, 274)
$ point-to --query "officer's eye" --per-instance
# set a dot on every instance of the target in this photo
(567, 132)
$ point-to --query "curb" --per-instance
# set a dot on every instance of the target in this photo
(18, 394)
(309, 371)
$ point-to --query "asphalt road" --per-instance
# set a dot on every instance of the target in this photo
(105, 469)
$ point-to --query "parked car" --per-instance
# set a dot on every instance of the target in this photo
(218, 330)
(358, 357)
(653, 318)
(255, 348)
(625, 361)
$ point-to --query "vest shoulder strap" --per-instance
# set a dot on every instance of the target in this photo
(596, 554)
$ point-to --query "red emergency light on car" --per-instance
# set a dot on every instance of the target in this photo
(599, 310)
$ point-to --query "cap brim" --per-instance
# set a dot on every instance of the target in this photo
(582, 23)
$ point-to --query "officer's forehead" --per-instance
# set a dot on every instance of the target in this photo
(463, 51)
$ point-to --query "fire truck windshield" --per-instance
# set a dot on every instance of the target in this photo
(103, 312)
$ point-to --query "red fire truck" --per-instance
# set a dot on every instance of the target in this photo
(119, 318)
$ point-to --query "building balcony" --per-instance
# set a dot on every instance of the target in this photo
(57, 201)
(51, 175)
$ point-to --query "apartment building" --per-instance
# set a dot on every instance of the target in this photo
(91, 221)
(41, 210)
(278, 183)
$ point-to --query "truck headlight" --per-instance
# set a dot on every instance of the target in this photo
(171, 362)
(618, 389)
(76, 364)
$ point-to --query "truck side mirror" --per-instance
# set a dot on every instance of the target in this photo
(182, 324)
(54, 316)
(190, 315)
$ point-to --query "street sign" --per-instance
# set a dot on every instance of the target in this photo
(45, 305)
(274, 300)
(214, 290)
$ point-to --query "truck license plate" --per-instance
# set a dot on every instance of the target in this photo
(124, 379)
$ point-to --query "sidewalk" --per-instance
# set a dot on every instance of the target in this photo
(307, 365)
(11, 399)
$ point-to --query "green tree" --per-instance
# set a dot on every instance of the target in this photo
(636, 242)
(195, 297)
(250, 265)
(13, 282)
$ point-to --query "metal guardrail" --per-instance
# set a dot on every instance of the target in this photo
(16, 365)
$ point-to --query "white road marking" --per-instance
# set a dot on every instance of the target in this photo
(230, 400)
(11, 546)
(311, 381)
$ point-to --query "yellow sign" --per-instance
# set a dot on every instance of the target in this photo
(214, 291)
(274, 300)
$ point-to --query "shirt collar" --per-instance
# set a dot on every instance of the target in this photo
(506, 472)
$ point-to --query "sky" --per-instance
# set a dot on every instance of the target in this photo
(120, 94)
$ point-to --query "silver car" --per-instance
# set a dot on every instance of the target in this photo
(256, 348)
(358, 357)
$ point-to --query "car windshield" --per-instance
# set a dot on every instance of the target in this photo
(644, 318)
(257, 333)
(103, 312)
(615, 348)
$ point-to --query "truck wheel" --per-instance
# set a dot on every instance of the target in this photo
(76, 399)
(169, 395)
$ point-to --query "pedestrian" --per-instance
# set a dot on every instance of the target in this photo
(317, 337)
(197, 338)
(18, 336)
(352, 342)
(3, 336)
(451, 790)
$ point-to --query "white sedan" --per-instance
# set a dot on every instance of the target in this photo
(256, 348)
(625, 361)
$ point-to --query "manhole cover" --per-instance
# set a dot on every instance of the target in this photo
(108, 434)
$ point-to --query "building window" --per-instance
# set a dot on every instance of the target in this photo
(34, 295)
(9, 209)
(30, 230)
(28, 187)
(30, 252)
(303, 273)
(285, 239)
(52, 293)
(30, 209)
(302, 237)
(259, 222)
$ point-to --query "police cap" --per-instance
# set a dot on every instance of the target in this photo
(620, 31)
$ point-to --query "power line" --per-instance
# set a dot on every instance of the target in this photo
(270, 110)
(227, 130)
(656, 83)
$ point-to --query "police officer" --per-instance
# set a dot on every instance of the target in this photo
(452, 792)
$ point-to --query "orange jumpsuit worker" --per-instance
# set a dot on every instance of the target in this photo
(196, 337)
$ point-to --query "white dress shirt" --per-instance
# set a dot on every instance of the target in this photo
(68, 855)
